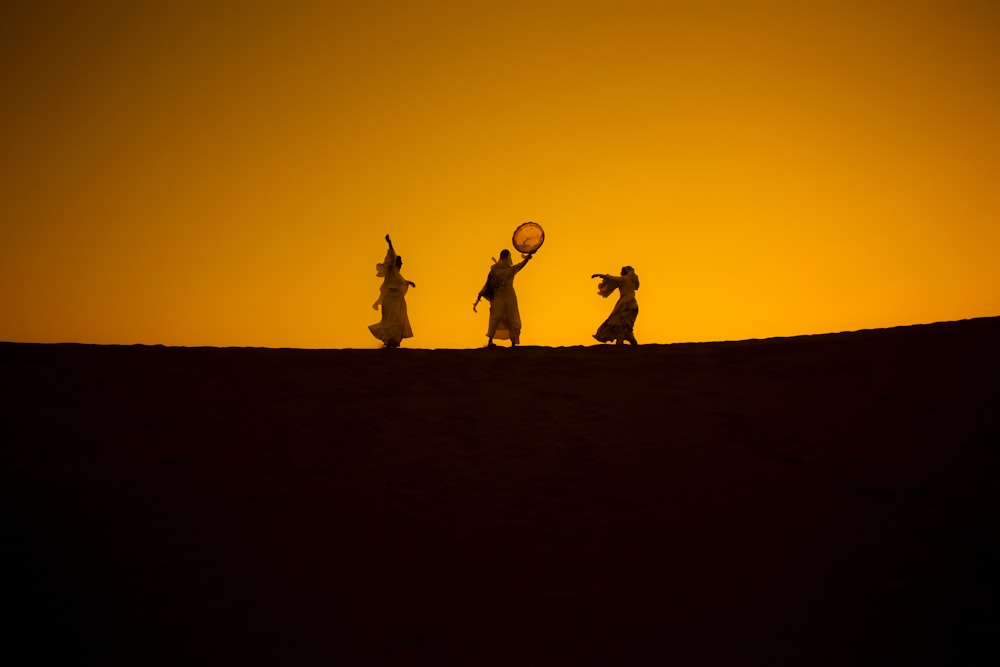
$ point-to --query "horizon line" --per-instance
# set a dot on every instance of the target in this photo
(482, 347)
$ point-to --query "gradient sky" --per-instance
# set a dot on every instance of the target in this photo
(222, 173)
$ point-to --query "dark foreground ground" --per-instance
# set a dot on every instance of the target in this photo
(822, 500)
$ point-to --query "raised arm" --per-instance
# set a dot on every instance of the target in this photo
(520, 265)
(390, 256)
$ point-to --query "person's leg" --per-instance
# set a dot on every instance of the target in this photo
(631, 325)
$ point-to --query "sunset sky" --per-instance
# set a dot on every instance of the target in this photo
(223, 173)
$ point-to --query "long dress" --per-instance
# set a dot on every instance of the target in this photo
(505, 317)
(395, 323)
(621, 321)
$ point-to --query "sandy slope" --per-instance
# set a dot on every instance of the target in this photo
(816, 500)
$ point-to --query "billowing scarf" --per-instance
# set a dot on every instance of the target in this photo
(606, 287)
(496, 278)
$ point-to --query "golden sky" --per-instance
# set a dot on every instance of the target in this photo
(223, 173)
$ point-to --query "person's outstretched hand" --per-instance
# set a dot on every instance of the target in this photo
(596, 275)
(387, 239)
(412, 284)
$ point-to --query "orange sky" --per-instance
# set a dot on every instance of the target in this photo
(207, 173)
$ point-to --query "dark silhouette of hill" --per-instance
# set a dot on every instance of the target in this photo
(821, 500)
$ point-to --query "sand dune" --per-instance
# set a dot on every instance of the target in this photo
(825, 499)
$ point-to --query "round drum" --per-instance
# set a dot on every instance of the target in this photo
(528, 237)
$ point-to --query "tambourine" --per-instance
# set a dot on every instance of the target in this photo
(528, 237)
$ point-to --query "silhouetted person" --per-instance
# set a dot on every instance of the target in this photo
(618, 327)
(505, 318)
(395, 323)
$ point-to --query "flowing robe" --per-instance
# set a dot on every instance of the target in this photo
(505, 318)
(621, 321)
(395, 323)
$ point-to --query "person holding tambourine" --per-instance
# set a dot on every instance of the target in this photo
(505, 317)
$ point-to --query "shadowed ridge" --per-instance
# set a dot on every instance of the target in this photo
(810, 499)
(977, 327)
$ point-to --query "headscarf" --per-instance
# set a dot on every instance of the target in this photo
(633, 276)
(387, 265)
